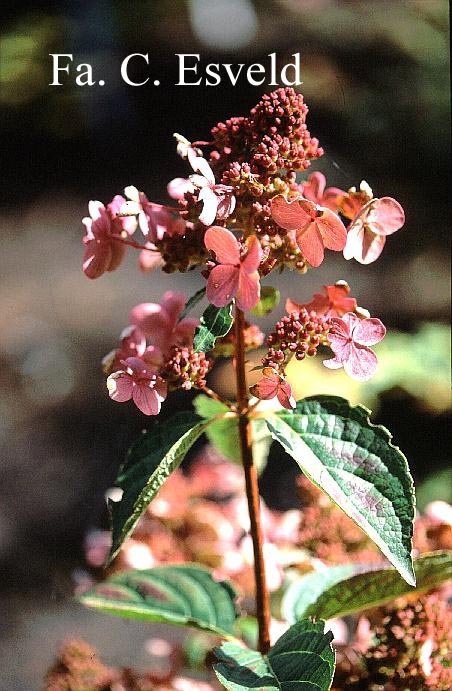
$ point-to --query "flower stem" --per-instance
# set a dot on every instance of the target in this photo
(252, 489)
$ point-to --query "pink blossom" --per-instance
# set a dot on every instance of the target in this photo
(102, 252)
(128, 224)
(154, 220)
(133, 344)
(350, 340)
(218, 200)
(271, 385)
(334, 302)
(367, 233)
(150, 258)
(160, 325)
(314, 190)
(178, 187)
(315, 227)
(234, 276)
(139, 382)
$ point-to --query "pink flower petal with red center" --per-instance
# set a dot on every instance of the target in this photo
(224, 244)
(146, 399)
(210, 201)
(386, 216)
(369, 332)
(332, 229)
(362, 363)
(289, 215)
(310, 242)
(253, 256)
(222, 284)
(120, 386)
(249, 290)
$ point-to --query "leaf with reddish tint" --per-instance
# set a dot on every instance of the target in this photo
(183, 595)
(354, 463)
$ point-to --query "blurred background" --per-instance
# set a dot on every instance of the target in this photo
(376, 80)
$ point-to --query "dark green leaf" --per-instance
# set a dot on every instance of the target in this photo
(149, 462)
(342, 590)
(355, 464)
(215, 322)
(223, 433)
(185, 595)
(301, 660)
(269, 299)
(191, 302)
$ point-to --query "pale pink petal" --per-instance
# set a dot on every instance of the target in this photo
(253, 256)
(340, 346)
(200, 165)
(150, 259)
(289, 215)
(210, 201)
(199, 181)
(310, 242)
(173, 302)
(333, 363)
(226, 206)
(178, 187)
(224, 244)
(355, 238)
(249, 290)
(95, 209)
(222, 284)
(96, 258)
(153, 321)
(146, 399)
(332, 229)
(369, 332)
(371, 248)
(120, 386)
(351, 320)
(386, 216)
(361, 364)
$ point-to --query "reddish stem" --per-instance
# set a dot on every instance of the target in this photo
(132, 243)
(252, 489)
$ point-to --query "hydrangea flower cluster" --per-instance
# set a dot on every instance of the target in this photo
(240, 215)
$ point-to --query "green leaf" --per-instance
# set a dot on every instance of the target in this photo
(342, 590)
(184, 595)
(191, 302)
(269, 299)
(301, 660)
(355, 464)
(223, 434)
(149, 462)
(215, 322)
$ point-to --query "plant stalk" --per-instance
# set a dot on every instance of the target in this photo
(252, 489)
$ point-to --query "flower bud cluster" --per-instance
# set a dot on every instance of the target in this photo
(300, 334)
(183, 252)
(185, 368)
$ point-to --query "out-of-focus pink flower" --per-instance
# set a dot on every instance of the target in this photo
(124, 223)
(315, 227)
(139, 382)
(154, 220)
(314, 190)
(150, 258)
(234, 276)
(271, 385)
(218, 200)
(350, 340)
(367, 233)
(160, 325)
(133, 344)
(102, 252)
(334, 302)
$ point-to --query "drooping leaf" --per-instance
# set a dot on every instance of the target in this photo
(186, 595)
(192, 302)
(150, 461)
(355, 464)
(342, 590)
(223, 433)
(215, 322)
(269, 299)
(301, 660)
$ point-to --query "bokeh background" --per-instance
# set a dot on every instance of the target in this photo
(376, 79)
